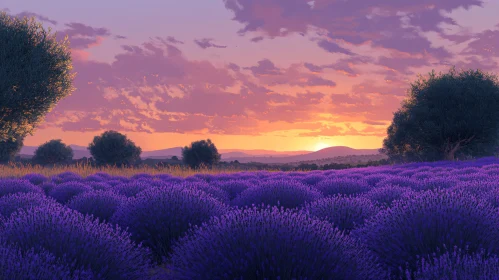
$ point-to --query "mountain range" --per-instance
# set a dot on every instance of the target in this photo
(243, 156)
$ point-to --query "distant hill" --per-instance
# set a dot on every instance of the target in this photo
(330, 152)
(243, 156)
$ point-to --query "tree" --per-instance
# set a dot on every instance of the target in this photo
(201, 152)
(114, 148)
(9, 148)
(52, 152)
(35, 73)
(174, 158)
(446, 116)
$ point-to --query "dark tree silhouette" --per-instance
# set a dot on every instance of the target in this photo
(446, 116)
(53, 152)
(35, 74)
(201, 152)
(114, 148)
(9, 149)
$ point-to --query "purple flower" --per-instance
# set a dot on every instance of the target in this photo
(65, 233)
(100, 204)
(343, 212)
(330, 187)
(285, 193)
(425, 223)
(255, 243)
(65, 191)
(158, 216)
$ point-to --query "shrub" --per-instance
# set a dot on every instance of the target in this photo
(99, 186)
(10, 186)
(330, 187)
(200, 152)
(312, 179)
(158, 216)
(210, 189)
(141, 176)
(343, 212)
(233, 187)
(457, 265)
(476, 188)
(13, 202)
(114, 148)
(373, 179)
(16, 264)
(35, 179)
(53, 152)
(422, 175)
(105, 249)
(100, 204)
(94, 178)
(104, 175)
(398, 180)
(257, 243)
(66, 177)
(427, 222)
(47, 187)
(385, 196)
(65, 191)
(434, 183)
(130, 189)
(285, 193)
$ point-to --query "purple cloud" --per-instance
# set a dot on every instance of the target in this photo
(207, 43)
(333, 47)
(37, 16)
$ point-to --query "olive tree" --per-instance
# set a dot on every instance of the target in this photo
(9, 148)
(446, 117)
(200, 152)
(53, 152)
(35, 74)
(114, 148)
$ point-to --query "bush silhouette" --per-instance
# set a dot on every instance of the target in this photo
(52, 152)
(36, 74)
(114, 148)
(201, 152)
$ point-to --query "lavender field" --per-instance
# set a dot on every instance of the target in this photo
(416, 221)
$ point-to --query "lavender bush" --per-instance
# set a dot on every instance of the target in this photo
(457, 265)
(99, 204)
(270, 243)
(422, 225)
(10, 186)
(343, 212)
(65, 191)
(158, 216)
(285, 193)
(16, 264)
(106, 250)
(331, 187)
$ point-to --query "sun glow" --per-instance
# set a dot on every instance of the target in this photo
(320, 146)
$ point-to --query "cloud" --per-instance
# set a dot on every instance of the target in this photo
(37, 16)
(383, 24)
(155, 88)
(269, 74)
(172, 40)
(82, 36)
(207, 43)
(333, 47)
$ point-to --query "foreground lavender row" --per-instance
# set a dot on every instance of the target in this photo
(417, 221)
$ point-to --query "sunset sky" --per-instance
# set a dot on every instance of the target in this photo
(254, 74)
